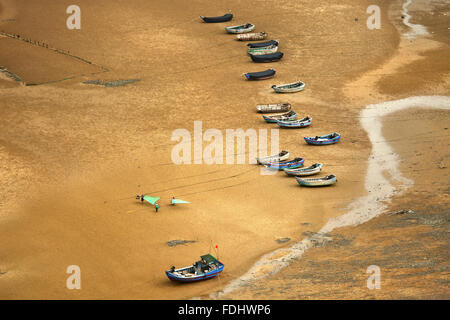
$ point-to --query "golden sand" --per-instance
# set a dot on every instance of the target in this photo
(73, 156)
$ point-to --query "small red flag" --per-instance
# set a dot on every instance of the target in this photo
(217, 247)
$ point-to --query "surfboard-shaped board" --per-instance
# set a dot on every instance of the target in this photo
(151, 200)
(176, 201)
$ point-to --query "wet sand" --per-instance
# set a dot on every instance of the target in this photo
(74, 156)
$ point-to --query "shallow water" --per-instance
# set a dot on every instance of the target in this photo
(416, 29)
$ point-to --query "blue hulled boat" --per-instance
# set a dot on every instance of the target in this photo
(301, 123)
(260, 75)
(224, 18)
(326, 139)
(288, 164)
(206, 268)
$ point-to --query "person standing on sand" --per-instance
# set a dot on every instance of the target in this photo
(156, 207)
(142, 198)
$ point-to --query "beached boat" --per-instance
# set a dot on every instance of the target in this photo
(261, 75)
(263, 44)
(290, 87)
(271, 57)
(287, 116)
(307, 171)
(262, 51)
(224, 18)
(301, 123)
(252, 36)
(286, 164)
(317, 182)
(326, 139)
(283, 155)
(243, 28)
(273, 108)
(206, 268)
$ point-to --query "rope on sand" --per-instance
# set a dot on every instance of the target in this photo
(47, 46)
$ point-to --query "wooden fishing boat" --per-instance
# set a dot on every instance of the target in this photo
(301, 123)
(263, 44)
(271, 57)
(290, 87)
(307, 171)
(224, 18)
(243, 28)
(251, 36)
(261, 75)
(287, 116)
(262, 51)
(283, 155)
(206, 268)
(317, 182)
(326, 139)
(286, 164)
(273, 108)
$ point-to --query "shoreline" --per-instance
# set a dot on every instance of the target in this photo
(416, 29)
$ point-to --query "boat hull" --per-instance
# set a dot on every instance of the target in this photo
(272, 57)
(274, 158)
(251, 36)
(319, 182)
(273, 108)
(224, 18)
(319, 143)
(323, 140)
(261, 45)
(192, 279)
(286, 165)
(294, 123)
(240, 29)
(303, 172)
(286, 89)
(262, 51)
(202, 277)
(276, 118)
(261, 75)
